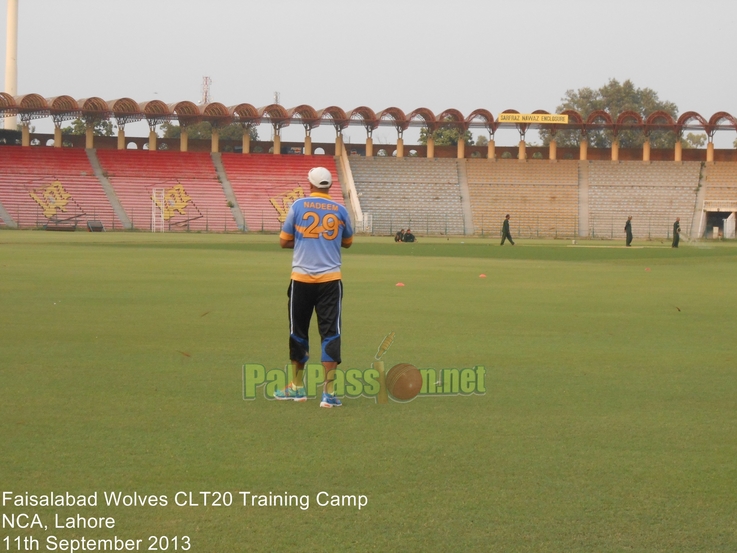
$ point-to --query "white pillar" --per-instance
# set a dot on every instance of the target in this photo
(522, 151)
(11, 59)
(89, 137)
(678, 155)
(184, 140)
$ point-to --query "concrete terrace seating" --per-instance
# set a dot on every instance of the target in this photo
(420, 193)
(194, 197)
(265, 185)
(52, 186)
(540, 196)
(654, 194)
(721, 182)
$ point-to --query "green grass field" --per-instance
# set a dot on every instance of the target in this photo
(609, 422)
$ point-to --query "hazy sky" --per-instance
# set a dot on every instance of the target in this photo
(464, 54)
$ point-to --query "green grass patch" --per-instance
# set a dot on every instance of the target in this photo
(609, 421)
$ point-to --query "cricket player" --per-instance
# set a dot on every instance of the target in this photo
(316, 228)
(506, 235)
(628, 231)
(676, 232)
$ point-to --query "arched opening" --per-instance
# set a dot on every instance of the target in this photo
(35, 142)
(50, 142)
(131, 146)
(381, 153)
(319, 151)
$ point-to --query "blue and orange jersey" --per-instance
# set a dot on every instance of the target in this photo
(319, 227)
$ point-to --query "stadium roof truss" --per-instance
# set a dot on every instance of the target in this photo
(155, 112)
(366, 117)
(216, 114)
(63, 108)
(187, 113)
(32, 106)
(94, 109)
(245, 115)
(336, 117)
(125, 110)
(306, 115)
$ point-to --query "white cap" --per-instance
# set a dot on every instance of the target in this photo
(320, 177)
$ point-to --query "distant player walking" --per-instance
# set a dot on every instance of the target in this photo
(316, 228)
(676, 232)
(506, 235)
(628, 230)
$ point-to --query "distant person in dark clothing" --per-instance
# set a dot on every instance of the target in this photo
(399, 236)
(628, 230)
(408, 236)
(676, 232)
(506, 235)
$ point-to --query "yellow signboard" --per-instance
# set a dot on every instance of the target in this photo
(283, 202)
(51, 198)
(175, 199)
(554, 118)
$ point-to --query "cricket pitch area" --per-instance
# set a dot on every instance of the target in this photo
(607, 421)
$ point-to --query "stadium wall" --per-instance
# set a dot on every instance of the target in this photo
(389, 150)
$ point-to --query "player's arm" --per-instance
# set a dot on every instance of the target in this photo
(346, 240)
(286, 236)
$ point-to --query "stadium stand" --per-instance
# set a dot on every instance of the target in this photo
(721, 182)
(653, 194)
(192, 195)
(57, 188)
(266, 185)
(541, 197)
(419, 193)
(52, 187)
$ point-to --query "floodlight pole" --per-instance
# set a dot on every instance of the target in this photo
(11, 59)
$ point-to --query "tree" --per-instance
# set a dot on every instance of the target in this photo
(203, 131)
(79, 127)
(614, 98)
(734, 143)
(481, 140)
(447, 135)
(693, 141)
